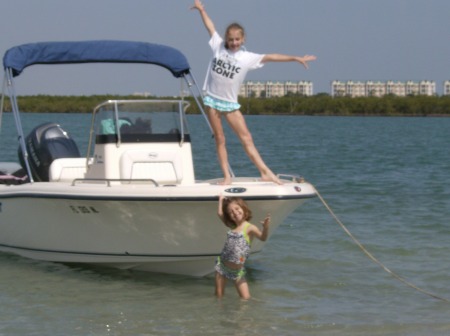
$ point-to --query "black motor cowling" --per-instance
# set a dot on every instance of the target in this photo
(44, 144)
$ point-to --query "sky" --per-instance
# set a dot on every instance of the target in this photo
(358, 40)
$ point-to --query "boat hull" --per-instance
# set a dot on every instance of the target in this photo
(169, 229)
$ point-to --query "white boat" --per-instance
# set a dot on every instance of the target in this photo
(133, 201)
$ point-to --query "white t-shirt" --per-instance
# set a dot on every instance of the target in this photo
(227, 70)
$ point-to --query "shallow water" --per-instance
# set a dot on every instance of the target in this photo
(387, 179)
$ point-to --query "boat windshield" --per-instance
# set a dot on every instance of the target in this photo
(140, 121)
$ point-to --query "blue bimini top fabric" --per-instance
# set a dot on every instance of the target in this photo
(103, 51)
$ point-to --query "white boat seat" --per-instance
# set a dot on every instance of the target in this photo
(67, 169)
(162, 166)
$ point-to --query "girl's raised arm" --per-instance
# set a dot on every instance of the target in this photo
(256, 232)
(205, 17)
(220, 208)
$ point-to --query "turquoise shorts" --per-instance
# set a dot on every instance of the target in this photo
(220, 105)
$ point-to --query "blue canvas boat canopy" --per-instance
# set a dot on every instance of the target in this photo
(104, 51)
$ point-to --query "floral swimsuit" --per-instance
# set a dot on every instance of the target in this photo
(236, 250)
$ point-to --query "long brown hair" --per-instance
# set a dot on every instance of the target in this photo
(233, 26)
(239, 201)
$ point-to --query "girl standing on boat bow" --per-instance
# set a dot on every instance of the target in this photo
(226, 73)
(235, 214)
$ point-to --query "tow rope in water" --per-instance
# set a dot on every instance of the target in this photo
(361, 246)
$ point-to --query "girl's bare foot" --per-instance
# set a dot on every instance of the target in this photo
(271, 177)
(226, 181)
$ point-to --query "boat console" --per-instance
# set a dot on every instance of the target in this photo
(141, 140)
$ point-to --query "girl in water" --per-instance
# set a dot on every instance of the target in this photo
(235, 214)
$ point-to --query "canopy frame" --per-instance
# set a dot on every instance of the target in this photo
(16, 59)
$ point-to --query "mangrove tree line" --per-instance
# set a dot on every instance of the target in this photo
(320, 104)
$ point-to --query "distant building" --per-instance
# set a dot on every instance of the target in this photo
(275, 89)
(142, 94)
(379, 89)
(446, 88)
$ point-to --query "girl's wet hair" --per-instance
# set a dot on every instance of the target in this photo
(239, 201)
(233, 26)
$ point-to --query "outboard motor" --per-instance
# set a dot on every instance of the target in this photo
(44, 144)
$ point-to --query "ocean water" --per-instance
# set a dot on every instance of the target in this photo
(386, 179)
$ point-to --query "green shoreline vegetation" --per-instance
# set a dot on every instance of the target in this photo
(320, 104)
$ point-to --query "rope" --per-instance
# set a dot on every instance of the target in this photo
(398, 277)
